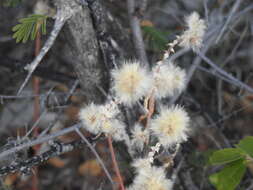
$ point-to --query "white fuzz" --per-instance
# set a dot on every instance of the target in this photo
(193, 36)
(168, 80)
(153, 179)
(142, 165)
(109, 124)
(171, 125)
(114, 128)
(139, 137)
(91, 118)
(131, 82)
(109, 110)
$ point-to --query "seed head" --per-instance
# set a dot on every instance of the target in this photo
(114, 128)
(193, 36)
(168, 80)
(153, 179)
(131, 82)
(171, 125)
(91, 118)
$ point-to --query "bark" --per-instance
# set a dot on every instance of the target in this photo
(93, 36)
(81, 38)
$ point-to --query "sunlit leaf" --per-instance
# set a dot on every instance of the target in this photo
(230, 176)
(226, 155)
(246, 145)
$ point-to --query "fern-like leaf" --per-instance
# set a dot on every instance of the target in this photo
(156, 39)
(29, 27)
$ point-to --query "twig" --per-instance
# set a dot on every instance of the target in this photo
(176, 171)
(47, 73)
(234, 9)
(215, 73)
(115, 164)
(39, 117)
(64, 12)
(224, 73)
(56, 149)
(188, 181)
(96, 154)
(40, 140)
(36, 88)
(49, 43)
(206, 10)
(137, 34)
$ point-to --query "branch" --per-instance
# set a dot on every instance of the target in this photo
(235, 7)
(236, 81)
(137, 34)
(40, 140)
(96, 154)
(115, 164)
(41, 71)
(49, 43)
(108, 46)
(56, 149)
(64, 12)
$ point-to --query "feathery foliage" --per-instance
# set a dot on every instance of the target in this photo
(29, 27)
(156, 39)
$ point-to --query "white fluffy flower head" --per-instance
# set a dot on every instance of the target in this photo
(91, 118)
(131, 82)
(153, 179)
(193, 36)
(171, 125)
(114, 128)
(168, 80)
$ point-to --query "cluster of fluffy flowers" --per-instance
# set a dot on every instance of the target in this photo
(132, 83)
(102, 119)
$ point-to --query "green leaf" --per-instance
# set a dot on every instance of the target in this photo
(44, 27)
(246, 145)
(17, 27)
(157, 39)
(230, 176)
(29, 27)
(225, 156)
(214, 179)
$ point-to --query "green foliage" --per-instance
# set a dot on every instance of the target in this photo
(235, 160)
(246, 145)
(157, 39)
(230, 176)
(11, 3)
(29, 27)
(226, 155)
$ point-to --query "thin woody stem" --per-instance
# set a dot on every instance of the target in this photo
(115, 164)
(36, 107)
